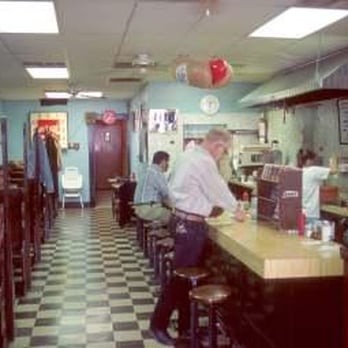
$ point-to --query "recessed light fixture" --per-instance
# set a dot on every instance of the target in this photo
(77, 95)
(88, 94)
(28, 17)
(47, 72)
(57, 95)
(298, 22)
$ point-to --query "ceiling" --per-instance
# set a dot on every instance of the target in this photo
(95, 35)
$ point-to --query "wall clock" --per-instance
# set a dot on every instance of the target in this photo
(210, 104)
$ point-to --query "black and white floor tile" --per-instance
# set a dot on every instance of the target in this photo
(93, 288)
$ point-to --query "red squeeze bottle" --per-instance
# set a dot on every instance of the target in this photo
(301, 223)
(245, 196)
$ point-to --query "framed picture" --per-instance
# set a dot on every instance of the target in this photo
(342, 106)
(162, 120)
(53, 122)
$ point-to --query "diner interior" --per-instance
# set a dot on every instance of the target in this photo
(78, 268)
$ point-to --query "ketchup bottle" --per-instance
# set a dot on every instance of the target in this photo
(245, 196)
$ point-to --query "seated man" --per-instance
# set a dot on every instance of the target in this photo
(151, 195)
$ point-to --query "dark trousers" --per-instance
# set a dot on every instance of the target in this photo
(190, 238)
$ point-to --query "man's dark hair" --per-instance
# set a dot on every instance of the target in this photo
(160, 156)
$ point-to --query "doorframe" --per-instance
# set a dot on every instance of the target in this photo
(91, 154)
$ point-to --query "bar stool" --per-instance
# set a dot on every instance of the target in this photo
(192, 274)
(166, 267)
(141, 224)
(153, 225)
(210, 296)
(162, 247)
(154, 236)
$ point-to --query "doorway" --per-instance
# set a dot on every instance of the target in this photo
(108, 156)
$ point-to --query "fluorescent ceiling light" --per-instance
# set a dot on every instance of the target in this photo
(57, 95)
(67, 95)
(28, 17)
(48, 72)
(89, 94)
(298, 22)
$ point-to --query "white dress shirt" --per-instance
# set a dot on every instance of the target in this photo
(312, 178)
(196, 185)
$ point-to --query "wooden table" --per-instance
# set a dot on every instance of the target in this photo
(287, 290)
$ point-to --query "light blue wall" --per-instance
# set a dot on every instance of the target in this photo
(187, 98)
(155, 95)
(18, 112)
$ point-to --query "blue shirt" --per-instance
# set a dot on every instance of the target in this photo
(152, 186)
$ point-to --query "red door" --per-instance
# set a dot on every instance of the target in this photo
(108, 153)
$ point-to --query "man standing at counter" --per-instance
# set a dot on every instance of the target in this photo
(198, 191)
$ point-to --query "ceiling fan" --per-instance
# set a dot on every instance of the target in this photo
(142, 62)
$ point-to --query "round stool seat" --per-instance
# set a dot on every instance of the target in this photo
(166, 243)
(194, 274)
(156, 224)
(210, 294)
(161, 233)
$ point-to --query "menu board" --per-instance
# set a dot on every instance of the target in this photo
(342, 105)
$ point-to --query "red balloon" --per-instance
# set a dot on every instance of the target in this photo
(218, 69)
(214, 73)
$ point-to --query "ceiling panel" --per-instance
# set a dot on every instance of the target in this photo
(96, 33)
(93, 16)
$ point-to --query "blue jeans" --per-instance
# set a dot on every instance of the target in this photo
(190, 238)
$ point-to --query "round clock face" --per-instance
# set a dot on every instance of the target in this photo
(210, 104)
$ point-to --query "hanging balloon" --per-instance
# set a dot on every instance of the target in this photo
(192, 72)
(214, 73)
(109, 117)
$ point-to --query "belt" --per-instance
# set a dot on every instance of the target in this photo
(188, 216)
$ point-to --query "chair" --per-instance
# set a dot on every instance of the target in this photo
(72, 184)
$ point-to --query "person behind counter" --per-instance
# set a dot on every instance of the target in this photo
(198, 192)
(151, 197)
(274, 155)
(312, 178)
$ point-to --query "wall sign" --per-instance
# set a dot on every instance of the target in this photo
(342, 106)
(53, 122)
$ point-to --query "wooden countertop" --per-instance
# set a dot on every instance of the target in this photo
(273, 254)
(335, 209)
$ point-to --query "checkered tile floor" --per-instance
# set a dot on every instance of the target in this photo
(93, 287)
